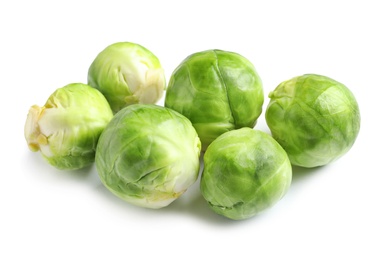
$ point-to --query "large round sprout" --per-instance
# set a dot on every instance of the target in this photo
(218, 91)
(148, 155)
(127, 73)
(315, 118)
(245, 172)
(66, 129)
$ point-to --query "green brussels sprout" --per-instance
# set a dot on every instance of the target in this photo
(66, 129)
(127, 73)
(245, 172)
(218, 91)
(315, 118)
(148, 155)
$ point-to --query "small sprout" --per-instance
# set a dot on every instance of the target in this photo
(245, 172)
(66, 129)
(218, 91)
(315, 118)
(127, 73)
(148, 155)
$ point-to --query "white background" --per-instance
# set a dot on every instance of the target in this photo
(334, 212)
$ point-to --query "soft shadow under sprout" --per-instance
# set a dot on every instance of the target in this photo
(302, 173)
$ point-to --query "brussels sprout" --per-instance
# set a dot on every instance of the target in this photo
(148, 155)
(127, 73)
(245, 172)
(315, 118)
(218, 91)
(66, 129)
